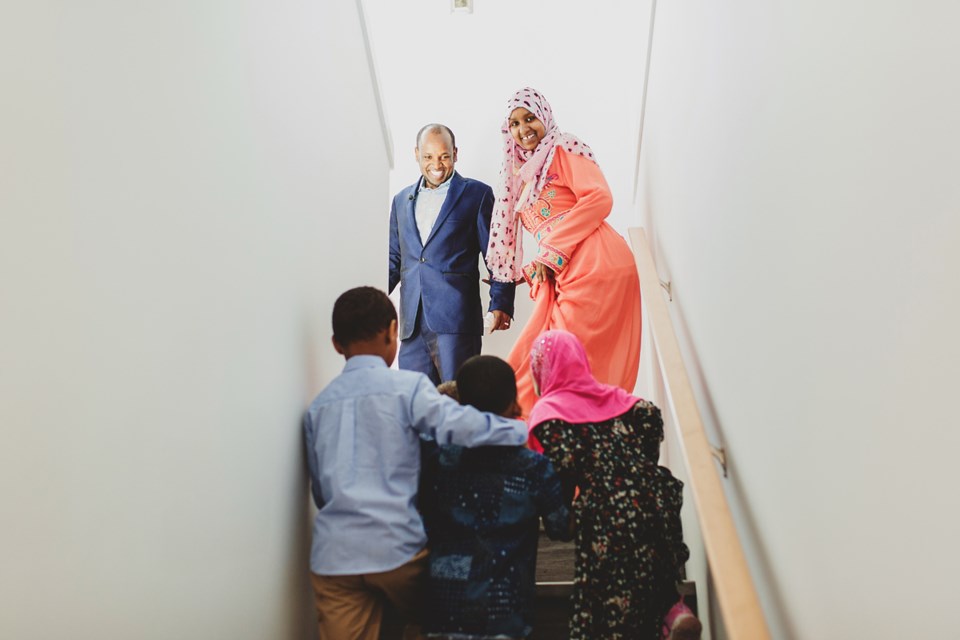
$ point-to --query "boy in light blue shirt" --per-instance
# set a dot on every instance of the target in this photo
(363, 451)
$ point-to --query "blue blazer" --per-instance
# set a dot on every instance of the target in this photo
(443, 271)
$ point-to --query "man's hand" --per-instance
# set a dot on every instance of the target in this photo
(501, 320)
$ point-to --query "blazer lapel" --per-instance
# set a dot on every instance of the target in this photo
(453, 194)
(409, 213)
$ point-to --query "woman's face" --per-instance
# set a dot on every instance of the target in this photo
(526, 128)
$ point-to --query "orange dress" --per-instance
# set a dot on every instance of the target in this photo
(596, 292)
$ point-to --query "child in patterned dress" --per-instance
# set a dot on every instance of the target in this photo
(629, 540)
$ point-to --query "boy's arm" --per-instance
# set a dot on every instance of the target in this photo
(312, 460)
(448, 422)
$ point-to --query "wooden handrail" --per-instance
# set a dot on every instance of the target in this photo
(739, 604)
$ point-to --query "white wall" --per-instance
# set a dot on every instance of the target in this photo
(799, 176)
(180, 204)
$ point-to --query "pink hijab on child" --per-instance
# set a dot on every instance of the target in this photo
(568, 391)
(521, 166)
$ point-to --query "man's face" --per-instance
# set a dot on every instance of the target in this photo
(436, 157)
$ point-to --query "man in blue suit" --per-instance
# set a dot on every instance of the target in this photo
(439, 227)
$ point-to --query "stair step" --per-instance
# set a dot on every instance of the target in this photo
(554, 587)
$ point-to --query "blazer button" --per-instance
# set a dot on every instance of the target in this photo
(423, 259)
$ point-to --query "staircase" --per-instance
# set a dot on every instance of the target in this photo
(554, 588)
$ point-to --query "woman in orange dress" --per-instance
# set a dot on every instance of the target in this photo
(583, 278)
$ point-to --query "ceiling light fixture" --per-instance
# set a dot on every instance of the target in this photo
(461, 6)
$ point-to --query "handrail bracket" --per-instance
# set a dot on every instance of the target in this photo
(721, 456)
(668, 285)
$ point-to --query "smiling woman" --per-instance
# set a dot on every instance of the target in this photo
(583, 278)
(527, 129)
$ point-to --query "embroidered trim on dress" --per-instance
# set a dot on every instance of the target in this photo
(529, 272)
(556, 259)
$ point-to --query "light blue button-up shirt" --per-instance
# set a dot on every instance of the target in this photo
(363, 451)
(428, 205)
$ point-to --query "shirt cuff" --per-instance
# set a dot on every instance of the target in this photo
(553, 258)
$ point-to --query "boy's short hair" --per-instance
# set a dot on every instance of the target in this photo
(487, 383)
(360, 314)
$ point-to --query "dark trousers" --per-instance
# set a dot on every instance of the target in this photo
(438, 355)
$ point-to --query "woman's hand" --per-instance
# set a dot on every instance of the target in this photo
(501, 320)
(544, 273)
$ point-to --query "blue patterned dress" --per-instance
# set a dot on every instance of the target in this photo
(482, 509)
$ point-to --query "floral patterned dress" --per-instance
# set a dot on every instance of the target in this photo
(629, 541)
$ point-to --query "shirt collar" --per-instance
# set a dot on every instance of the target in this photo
(364, 362)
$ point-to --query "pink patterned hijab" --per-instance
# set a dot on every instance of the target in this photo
(520, 166)
(568, 391)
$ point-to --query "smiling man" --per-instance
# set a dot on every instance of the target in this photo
(439, 227)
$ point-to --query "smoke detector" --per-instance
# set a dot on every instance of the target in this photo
(461, 6)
